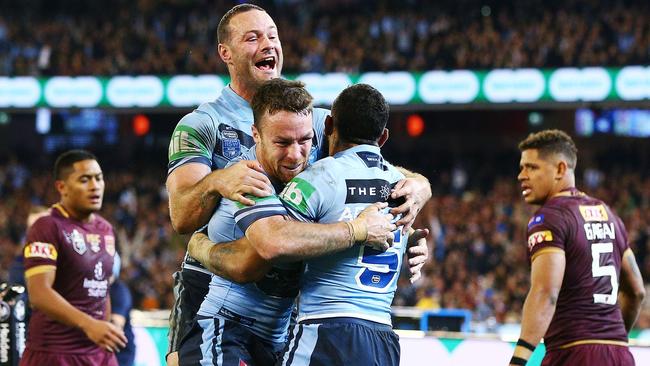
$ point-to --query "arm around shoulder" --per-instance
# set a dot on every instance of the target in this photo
(632, 291)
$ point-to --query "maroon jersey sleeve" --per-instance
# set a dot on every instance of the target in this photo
(41, 250)
(547, 231)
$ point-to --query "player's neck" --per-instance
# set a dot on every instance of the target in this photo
(76, 215)
(240, 88)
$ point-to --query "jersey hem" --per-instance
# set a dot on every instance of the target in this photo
(346, 315)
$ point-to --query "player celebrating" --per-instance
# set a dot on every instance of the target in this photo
(586, 288)
(68, 260)
(205, 140)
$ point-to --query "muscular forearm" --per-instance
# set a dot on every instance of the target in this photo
(630, 309)
(538, 311)
(283, 240)
(236, 261)
(52, 304)
(191, 207)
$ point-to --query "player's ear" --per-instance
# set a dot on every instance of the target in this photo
(256, 135)
(383, 138)
(224, 53)
(329, 126)
(561, 169)
(60, 186)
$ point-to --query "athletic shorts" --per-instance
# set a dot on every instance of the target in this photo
(590, 354)
(40, 358)
(190, 288)
(342, 342)
(216, 341)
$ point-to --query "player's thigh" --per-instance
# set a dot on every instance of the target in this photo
(38, 358)
(334, 343)
(190, 288)
(590, 354)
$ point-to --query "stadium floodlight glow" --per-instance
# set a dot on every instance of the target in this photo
(43, 120)
(458, 86)
(189, 90)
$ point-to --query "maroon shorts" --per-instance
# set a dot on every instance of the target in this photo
(39, 358)
(591, 355)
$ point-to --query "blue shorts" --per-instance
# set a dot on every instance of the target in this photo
(190, 288)
(216, 341)
(342, 341)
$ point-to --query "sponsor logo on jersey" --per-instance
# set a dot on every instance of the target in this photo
(40, 250)
(77, 240)
(594, 213)
(297, 193)
(366, 190)
(109, 244)
(535, 220)
(371, 160)
(94, 240)
(539, 237)
(230, 145)
(95, 287)
(184, 142)
(19, 310)
(99, 271)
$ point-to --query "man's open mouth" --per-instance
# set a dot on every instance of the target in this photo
(266, 64)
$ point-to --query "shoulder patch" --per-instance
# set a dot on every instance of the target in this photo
(297, 193)
(539, 237)
(594, 213)
(185, 141)
(40, 250)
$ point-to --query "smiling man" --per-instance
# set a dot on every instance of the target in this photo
(586, 289)
(68, 260)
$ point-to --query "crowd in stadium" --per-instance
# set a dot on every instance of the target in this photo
(478, 259)
(68, 37)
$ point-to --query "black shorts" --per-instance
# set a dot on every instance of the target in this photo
(190, 288)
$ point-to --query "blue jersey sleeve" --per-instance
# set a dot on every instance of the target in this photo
(193, 140)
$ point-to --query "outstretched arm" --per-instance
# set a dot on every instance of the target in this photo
(195, 191)
(546, 280)
(416, 191)
(631, 291)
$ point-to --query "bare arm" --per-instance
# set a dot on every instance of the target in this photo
(44, 298)
(546, 280)
(195, 191)
(417, 252)
(416, 190)
(236, 261)
(278, 239)
(631, 291)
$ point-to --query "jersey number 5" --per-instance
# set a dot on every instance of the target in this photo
(599, 271)
(379, 268)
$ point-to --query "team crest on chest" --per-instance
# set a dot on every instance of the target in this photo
(230, 145)
(109, 244)
(99, 271)
(94, 241)
(76, 239)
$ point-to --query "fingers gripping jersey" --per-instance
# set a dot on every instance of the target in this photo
(594, 240)
(358, 282)
(219, 132)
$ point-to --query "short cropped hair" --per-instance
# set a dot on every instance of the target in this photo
(360, 114)
(223, 30)
(64, 162)
(549, 142)
(280, 95)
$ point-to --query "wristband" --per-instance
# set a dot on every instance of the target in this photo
(518, 361)
(360, 231)
(526, 345)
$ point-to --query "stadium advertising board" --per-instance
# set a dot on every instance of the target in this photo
(457, 87)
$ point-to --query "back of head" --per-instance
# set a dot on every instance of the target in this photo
(360, 114)
(280, 95)
(550, 142)
(65, 161)
(223, 30)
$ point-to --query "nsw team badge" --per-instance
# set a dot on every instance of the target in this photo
(230, 145)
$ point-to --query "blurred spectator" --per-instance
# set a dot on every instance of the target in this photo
(68, 37)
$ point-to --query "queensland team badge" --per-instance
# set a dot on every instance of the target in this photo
(94, 240)
(230, 145)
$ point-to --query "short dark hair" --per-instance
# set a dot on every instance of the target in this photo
(64, 162)
(280, 95)
(549, 142)
(360, 114)
(223, 31)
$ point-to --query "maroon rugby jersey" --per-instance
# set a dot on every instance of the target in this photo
(594, 241)
(83, 256)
